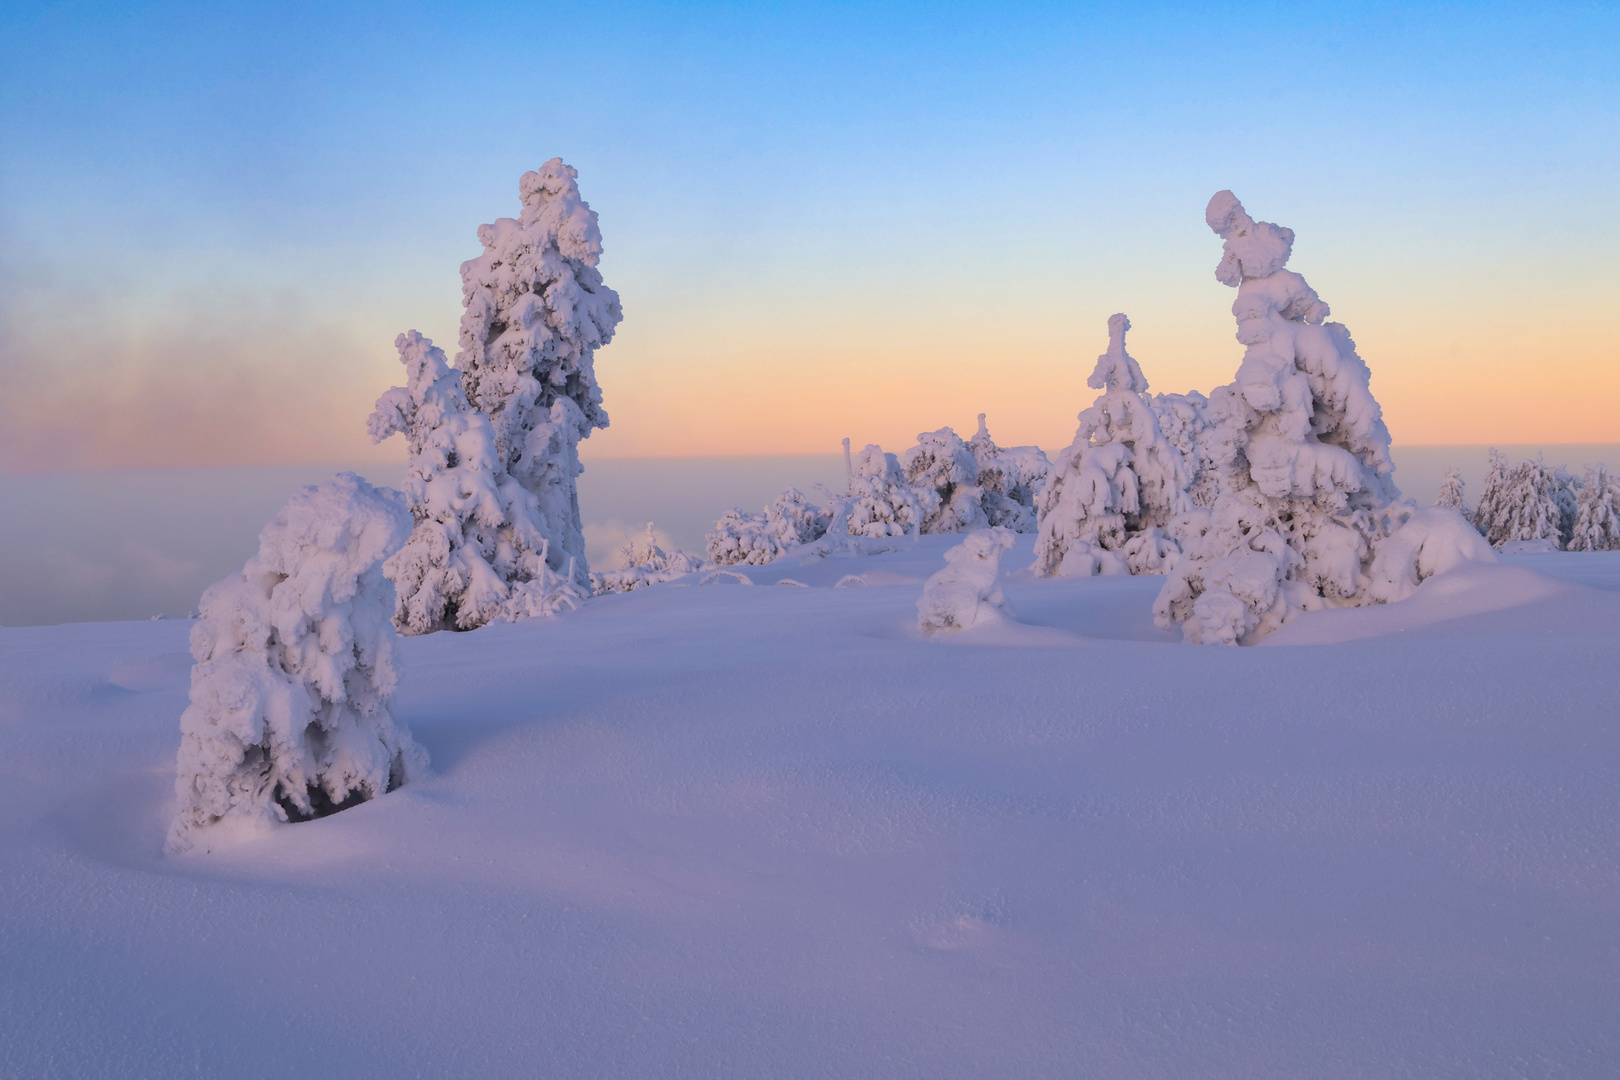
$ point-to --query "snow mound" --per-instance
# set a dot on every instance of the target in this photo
(968, 590)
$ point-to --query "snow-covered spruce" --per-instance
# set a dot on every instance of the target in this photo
(1296, 523)
(642, 562)
(789, 522)
(943, 464)
(536, 312)
(1522, 504)
(478, 552)
(1008, 478)
(880, 501)
(1597, 513)
(1451, 493)
(294, 670)
(1115, 489)
(967, 592)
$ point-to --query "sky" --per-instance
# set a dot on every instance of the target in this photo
(862, 220)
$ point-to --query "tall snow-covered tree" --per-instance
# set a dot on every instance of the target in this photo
(289, 716)
(1520, 503)
(1297, 520)
(536, 312)
(1009, 478)
(478, 552)
(942, 463)
(1118, 485)
(1597, 512)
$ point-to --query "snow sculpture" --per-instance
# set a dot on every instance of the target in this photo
(1118, 485)
(642, 563)
(1429, 541)
(1308, 497)
(1008, 478)
(880, 501)
(1451, 492)
(942, 463)
(1597, 513)
(536, 312)
(967, 591)
(478, 553)
(1521, 503)
(294, 670)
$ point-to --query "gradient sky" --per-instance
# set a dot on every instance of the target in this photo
(861, 220)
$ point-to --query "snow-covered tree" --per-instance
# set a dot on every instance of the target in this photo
(1520, 503)
(968, 590)
(294, 670)
(881, 502)
(642, 562)
(1118, 485)
(478, 552)
(789, 522)
(1310, 493)
(1008, 478)
(1597, 512)
(1451, 493)
(536, 312)
(942, 463)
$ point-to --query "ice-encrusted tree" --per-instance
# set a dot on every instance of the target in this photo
(536, 311)
(1597, 512)
(1115, 489)
(967, 591)
(789, 522)
(289, 715)
(1451, 492)
(1310, 489)
(880, 501)
(1520, 504)
(478, 552)
(1009, 478)
(942, 463)
(643, 562)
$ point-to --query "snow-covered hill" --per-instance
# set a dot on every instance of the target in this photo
(759, 831)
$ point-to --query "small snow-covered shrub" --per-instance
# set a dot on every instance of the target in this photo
(1430, 541)
(1008, 478)
(478, 553)
(1120, 477)
(294, 670)
(1597, 513)
(968, 590)
(1523, 502)
(794, 520)
(642, 563)
(536, 311)
(1306, 493)
(739, 538)
(943, 464)
(1451, 493)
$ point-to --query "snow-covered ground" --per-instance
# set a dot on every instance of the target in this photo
(721, 830)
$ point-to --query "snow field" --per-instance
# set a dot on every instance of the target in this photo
(774, 831)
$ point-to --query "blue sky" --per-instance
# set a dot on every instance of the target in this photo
(918, 203)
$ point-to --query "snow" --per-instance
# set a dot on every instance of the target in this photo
(776, 831)
(967, 592)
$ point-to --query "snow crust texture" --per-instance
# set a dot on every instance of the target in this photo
(294, 670)
(1114, 490)
(967, 592)
(536, 311)
(478, 552)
